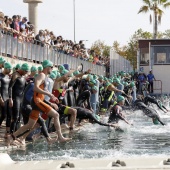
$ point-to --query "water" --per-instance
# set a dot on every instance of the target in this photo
(94, 141)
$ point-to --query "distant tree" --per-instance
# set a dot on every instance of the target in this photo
(166, 34)
(155, 7)
(130, 50)
(100, 48)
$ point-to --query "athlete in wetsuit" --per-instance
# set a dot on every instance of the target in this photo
(4, 96)
(39, 105)
(108, 95)
(148, 111)
(16, 89)
(148, 99)
(116, 111)
(83, 113)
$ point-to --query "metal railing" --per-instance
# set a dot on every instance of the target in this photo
(157, 85)
(28, 51)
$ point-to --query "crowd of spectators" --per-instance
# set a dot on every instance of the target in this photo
(20, 28)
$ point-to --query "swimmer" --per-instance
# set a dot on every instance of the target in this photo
(148, 112)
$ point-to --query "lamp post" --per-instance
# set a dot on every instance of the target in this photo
(74, 12)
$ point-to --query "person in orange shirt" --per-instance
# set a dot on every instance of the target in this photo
(40, 105)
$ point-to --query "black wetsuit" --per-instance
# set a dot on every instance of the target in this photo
(87, 114)
(16, 89)
(84, 96)
(147, 111)
(84, 85)
(5, 112)
(115, 114)
(148, 99)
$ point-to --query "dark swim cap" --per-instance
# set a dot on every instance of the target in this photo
(155, 121)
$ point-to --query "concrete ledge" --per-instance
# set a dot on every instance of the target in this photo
(154, 163)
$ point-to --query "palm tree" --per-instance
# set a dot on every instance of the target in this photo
(155, 7)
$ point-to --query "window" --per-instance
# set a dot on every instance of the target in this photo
(161, 54)
(144, 56)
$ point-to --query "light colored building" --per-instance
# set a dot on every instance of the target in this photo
(154, 54)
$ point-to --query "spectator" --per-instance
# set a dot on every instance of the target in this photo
(141, 80)
(22, 24)
(150, 77)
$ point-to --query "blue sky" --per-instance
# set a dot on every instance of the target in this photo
(107, 20)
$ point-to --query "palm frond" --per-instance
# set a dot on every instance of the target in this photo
(159, 19)
(143, 9)
(166, 5)
(147, 2)
(159, 11)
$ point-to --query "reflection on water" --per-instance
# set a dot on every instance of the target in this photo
(95, 141)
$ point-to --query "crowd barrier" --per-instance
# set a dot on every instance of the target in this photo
(27, 51)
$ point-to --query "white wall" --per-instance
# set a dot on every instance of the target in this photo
(162, 72)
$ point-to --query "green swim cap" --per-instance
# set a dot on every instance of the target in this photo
(8, 66)
(60, 67)
(97, 117)
(55, 72)
(25, 67)
(155, 121)
(105, 79)
(47, 63)
(33, 69)
(116, 80)
(2, 60)
(18, 66)
(94, 88)
(93, 81)
(95, 77)
(132, 84)
(58, 75)
(52, 75)
(120, 98)
(125, 84)
(64, 72)
(35, 75)
(100, 77)
(90, 76)
(40, 68)
(76, 72)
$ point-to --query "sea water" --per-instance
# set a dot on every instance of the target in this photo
(95, 141)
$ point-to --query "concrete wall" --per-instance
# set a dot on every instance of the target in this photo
(146, 69)
(162, 72)
(14, 62)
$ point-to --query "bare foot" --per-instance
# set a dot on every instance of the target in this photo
(9, 140)
(51, 140)
(64, 139)
(6, 135)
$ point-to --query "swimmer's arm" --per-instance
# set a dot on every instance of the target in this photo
(38, 81)
(112, 88)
